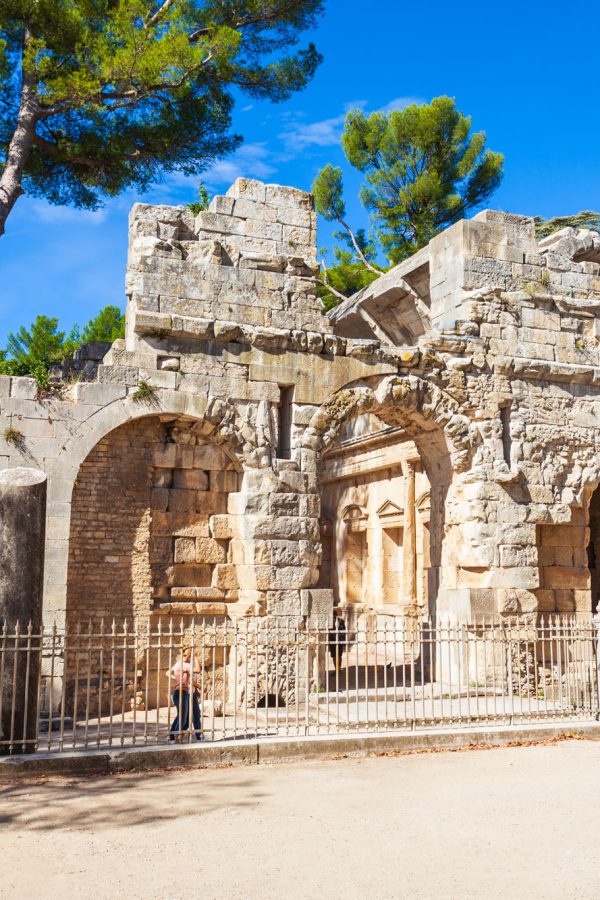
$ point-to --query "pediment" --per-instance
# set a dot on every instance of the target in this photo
(389, 509)
(355, 518)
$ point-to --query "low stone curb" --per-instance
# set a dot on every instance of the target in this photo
(274, 750)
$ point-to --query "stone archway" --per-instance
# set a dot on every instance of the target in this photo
(149, 527)
(430, 422)
(150, 536)
(221, 424)
(418, 405)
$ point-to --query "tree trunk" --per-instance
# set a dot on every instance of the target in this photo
(18, 150)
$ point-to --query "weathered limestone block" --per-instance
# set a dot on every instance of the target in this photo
(225, 576)
(23, 388)
(209, 550)
(286, 528)
(127, 376)
(317, 605)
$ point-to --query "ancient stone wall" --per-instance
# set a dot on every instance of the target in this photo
(482, 350)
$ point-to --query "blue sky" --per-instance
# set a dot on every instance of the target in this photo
(526, 72)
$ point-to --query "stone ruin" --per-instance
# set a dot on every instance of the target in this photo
(429, 448)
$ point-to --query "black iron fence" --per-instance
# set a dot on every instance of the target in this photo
(114, 685)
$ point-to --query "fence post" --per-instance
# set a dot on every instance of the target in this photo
(596, 651)
(22, 536)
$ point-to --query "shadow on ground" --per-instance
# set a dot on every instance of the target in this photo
(124, 801)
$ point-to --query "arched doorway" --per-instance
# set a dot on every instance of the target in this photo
(149, 526)
(368, 478)
(568, 560)
(593, 549)
(150, 540)
(386, 447)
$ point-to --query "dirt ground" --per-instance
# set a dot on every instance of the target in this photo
(512, 823)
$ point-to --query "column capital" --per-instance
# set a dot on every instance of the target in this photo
(410, 466)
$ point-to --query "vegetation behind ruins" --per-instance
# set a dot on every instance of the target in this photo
(423, 171)
(31, 351)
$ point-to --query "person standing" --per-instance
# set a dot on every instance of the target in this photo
(185, 680)
(336, 641)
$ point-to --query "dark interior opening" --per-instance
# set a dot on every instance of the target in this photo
(593, 548)
(284, 422)
(270, 701)
(506, 439)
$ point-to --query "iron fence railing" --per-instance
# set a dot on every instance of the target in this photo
(114, 685)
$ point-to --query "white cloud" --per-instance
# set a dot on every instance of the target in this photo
(42, 211)
(355, 104)
(328, 132)
(250, 161)
(173, 180)
(321, 134)
(400, 103)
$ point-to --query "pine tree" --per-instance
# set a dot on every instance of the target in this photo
(423, 171)
(109, 325)
(101, 95)
(30, 351)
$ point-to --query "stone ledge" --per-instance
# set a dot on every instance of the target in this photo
(302, 340)
(262, 337)
(274, 750)
(536, 369)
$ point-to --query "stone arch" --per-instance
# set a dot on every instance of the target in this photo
(417, 404)
(426, 418)
(221, 423)
(149, 528)
(566, 546)
(353, 513)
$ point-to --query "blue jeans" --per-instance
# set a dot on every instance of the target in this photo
(185, 714)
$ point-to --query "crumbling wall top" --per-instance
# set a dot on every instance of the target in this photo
(250, 259)
(494, 251)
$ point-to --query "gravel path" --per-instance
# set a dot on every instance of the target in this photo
(516, 822)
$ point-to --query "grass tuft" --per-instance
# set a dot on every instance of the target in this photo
(145, 392)
(14, 437)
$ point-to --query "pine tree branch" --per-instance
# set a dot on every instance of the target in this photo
(325, 283)
(155, 19)
(361, 255)
(121, 99)
(54, 150)
(196, 35)
(241, 23)
(136, 94)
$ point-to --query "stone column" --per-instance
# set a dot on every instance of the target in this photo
(596, 651)
(22, 536)
(409, 545)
